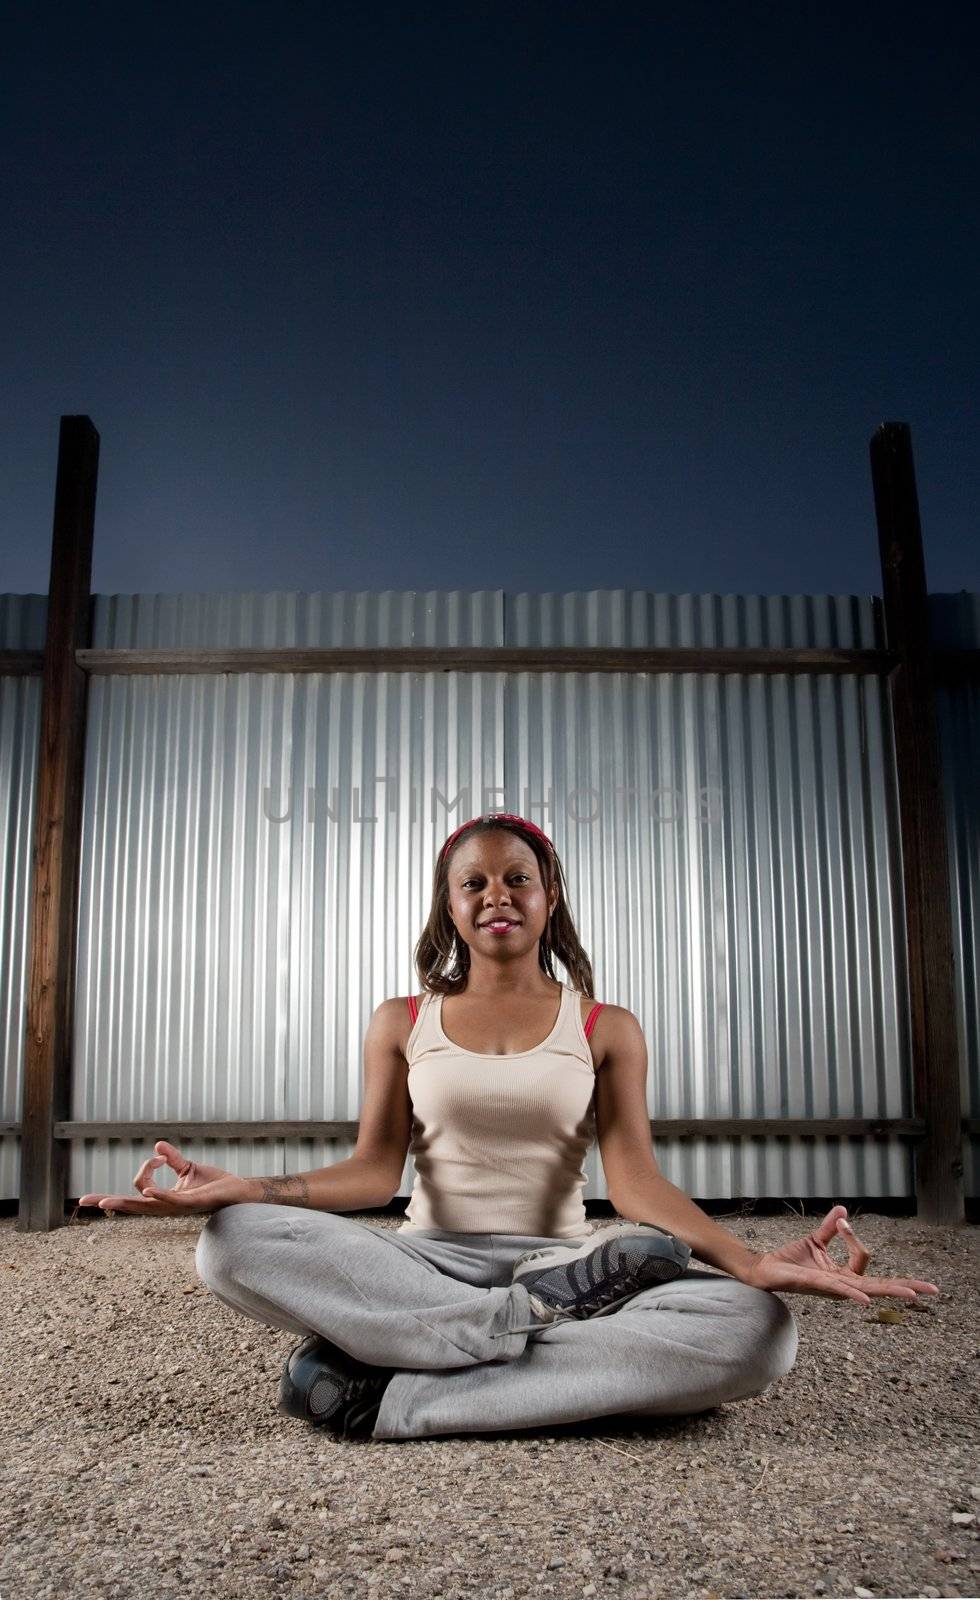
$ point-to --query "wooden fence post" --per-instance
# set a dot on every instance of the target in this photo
(57, 835)
(928, 913)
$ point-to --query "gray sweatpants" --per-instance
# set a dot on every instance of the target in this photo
(440, 1307)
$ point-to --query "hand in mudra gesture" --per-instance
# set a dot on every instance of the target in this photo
(198, 1188)
(806, 1267)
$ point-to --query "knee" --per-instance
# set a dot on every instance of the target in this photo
(230, 1238)
(770, 1337)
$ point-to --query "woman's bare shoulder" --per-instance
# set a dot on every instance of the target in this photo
(396, 1019)
(612, 1027)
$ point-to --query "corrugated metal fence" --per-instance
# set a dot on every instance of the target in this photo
(257, 854)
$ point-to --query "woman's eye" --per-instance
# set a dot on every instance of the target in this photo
(470, 881)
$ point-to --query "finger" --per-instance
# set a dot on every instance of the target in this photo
(858, 1255)
(899, 1288)
(125, 1202)
(142, 1177)
(840, 1291)
(827, 1229)
(185, 1174)
(818, 1280)
(91, 1199)
(902, 1288)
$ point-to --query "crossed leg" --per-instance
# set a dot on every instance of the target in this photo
(441, 1310)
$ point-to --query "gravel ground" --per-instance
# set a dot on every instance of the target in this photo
(145, 1453)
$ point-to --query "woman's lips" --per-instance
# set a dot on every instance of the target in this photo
(498, 927)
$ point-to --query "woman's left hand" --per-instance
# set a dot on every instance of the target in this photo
(806, 1267)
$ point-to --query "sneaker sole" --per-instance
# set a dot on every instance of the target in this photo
(300, 1376)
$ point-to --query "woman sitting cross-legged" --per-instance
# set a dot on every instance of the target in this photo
(493, 1306)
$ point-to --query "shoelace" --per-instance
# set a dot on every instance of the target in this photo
(611, 1291)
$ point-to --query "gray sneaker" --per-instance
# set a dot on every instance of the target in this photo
(595, 1277)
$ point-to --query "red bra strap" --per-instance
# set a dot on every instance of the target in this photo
(593, 1018)
(413, 1009)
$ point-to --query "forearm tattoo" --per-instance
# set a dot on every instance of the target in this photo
(293, 1191)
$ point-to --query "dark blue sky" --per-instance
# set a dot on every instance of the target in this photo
(531, 296)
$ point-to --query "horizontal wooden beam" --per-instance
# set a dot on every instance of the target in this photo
(661, 1128)
(21, 663)
(950, 666)
(496, 658)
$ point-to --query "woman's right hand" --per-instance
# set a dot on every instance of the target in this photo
(198, 1188)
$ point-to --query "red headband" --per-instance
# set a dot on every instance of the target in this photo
(497, 816)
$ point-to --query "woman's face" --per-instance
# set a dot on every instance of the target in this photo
(495, 877)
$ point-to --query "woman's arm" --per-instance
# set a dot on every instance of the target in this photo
(350, 1185)
(641, 1193)
(637, 1187)
(366, 1179)
(660, 1203)
(370, 1177)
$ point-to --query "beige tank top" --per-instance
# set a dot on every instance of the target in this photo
(498, 1142)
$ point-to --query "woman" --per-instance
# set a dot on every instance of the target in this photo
(482, 1311)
